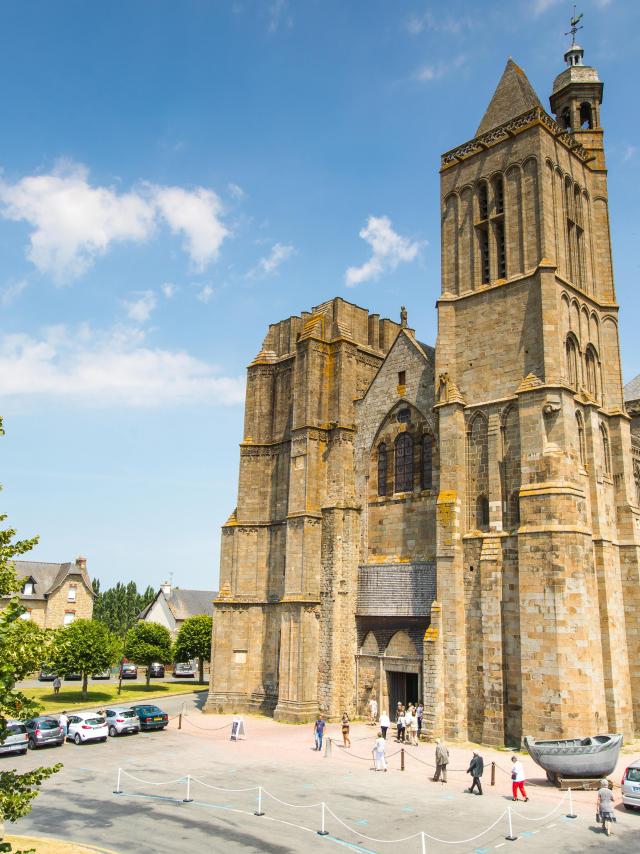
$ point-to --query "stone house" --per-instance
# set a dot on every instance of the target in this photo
(173, 605)
(458, 524)
(54, 594)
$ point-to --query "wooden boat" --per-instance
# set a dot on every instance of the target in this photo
(594, 756)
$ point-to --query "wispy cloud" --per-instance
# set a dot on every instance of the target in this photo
(235, 191)
(73, 222)
(169, 290)
(427, 73)
(268, 265)
(279, 16)
(11, 292)
(538, 7)
(629, 153)
(140, 309)
(108, 367)
(389, 249)
(205, 294)
(416, 24)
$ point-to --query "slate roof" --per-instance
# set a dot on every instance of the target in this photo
(396, 589)
(514, 95)
(188, 603)
(632, 389)
(47, 577)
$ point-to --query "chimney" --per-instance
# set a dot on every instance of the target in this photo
(166, 589)
(81, 563)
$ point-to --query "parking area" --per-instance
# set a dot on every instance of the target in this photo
(150, 814)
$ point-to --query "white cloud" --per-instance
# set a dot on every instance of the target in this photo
(140, 309)
(427, 73)
(629, 153)
(169, 290)
(279, 16)
(389, 250)
(73, 223)
(541, 6)
(205, 294)
(438, 23)
(236, 191)
(12, 291)
(111, 367)
(197, 215)
(280, 252)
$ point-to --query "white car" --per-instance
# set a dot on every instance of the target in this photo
(87, 726)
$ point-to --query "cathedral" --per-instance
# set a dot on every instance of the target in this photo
(456, 524)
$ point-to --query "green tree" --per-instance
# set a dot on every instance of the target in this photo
(20, 648)
(146, 643)
(118, 607)
(85, 647)
(194, 641)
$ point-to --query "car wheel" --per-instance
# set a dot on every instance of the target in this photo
(113, 731)
(31, 744)
(59, 743)
(77, 739)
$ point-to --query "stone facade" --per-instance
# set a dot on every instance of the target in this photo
(54, 594)
(458, 524)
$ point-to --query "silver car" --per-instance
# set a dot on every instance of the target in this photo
(15, 741)
(121, 721)
(630, 786)
(44, 730)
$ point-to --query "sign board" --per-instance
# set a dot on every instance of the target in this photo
(237, 729)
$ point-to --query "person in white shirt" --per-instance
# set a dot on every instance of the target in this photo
(373, 710)
(517, 779)
(379, 762)
(413, 726)
(385, 723)
(63, 721)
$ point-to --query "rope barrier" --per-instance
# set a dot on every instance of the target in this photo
(294, 806)
(204, 728)
(150, 783)
(221, 789)
(544, 817)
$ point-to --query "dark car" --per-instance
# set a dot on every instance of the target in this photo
(128, 671)
(44, 731)
(72, 677)
(156, 670)
(150, 717)
(102, 674)
(46, 675)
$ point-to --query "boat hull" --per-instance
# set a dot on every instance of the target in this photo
(592, 757)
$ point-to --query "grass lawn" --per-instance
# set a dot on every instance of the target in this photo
(49, 846)
(71, 698)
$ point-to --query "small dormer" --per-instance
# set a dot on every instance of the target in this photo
(28, 586)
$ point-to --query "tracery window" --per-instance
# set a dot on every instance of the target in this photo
(636, 475)
(404, 463)
(572, 361)
(427, 461)
(482, 513)
(582, 448)
(606, 449)
(382, 469)
(591, 372)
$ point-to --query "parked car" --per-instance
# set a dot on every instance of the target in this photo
(151, 717)
(102, 674)
(87, 726)
(156, 669)
(46, 675)
(121, 721)
(43, 731)
(184, 670)
(72, 677)
(630, 786)
(128, 671)
(16, 739)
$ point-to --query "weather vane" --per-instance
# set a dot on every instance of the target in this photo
(575, 25)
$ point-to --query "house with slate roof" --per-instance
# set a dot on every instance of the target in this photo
(172, 606)
(54, 594)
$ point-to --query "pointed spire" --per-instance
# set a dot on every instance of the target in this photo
(514, 95)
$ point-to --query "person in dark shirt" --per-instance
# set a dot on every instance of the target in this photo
(476, 768)
(318, 731)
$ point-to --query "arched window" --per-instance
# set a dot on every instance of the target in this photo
(565, 119)
(591, 371)
(427, 461)
(498, 194)
(586, 116)
(382, 469)
(582, 448)
(636, 475)
(572, 361)
(404, 463)
(606, 449)
(482, 513)
(514, 509)
(483, 200)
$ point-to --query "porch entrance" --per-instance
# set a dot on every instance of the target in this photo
(401, 688)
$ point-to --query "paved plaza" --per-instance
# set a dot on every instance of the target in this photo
(79, 803)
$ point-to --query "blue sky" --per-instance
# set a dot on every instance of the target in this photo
(174, 176)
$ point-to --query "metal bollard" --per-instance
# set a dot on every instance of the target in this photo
(118, 790)
(327, 748)
(322, 831)
(571, 813)
(402, 758)
(424, 842)
(188, 799)
(510, 837)
(493, 773)
(259, 810)
(180, 721)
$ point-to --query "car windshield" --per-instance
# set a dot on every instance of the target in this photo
(149, 710)
(48, 724)
(94, 721)
(633, 775)
(129, 714)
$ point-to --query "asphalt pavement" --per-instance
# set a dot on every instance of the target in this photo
(150, 815)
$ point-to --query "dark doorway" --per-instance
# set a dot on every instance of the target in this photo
(402, 688)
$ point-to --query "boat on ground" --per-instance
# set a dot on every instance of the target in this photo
(593, 756)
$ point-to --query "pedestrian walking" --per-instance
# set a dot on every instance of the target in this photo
(419, 714)
(604, 812)
(373, 710)
(63, 721)
(476, 768)
(413, 727)
(385, 723)
(400, 723)
(346, 741)
(517, 779)
(56, 685)
(442, 760)
(379, 762)
(318, 731)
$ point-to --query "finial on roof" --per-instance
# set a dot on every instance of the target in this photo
(575, 25)
(403, 317)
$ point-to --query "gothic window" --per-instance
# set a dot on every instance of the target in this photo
(498, 195)
(427, 461)
(591, 371)
(382, 469)
(586, 116)
(482, 513)
(582, 448)
(636, 475)
(483, 200)
(514, 509)
(572, 361)
(404, 463)
(510, 468)
(606, 449)
(501, 258)
(477, 467)
(485, 268)
(565, 119)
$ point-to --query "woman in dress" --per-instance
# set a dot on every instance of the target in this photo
(379, 762)
(346, 741)
(605, 806)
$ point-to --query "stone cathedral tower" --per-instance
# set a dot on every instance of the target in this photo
(459, 524)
